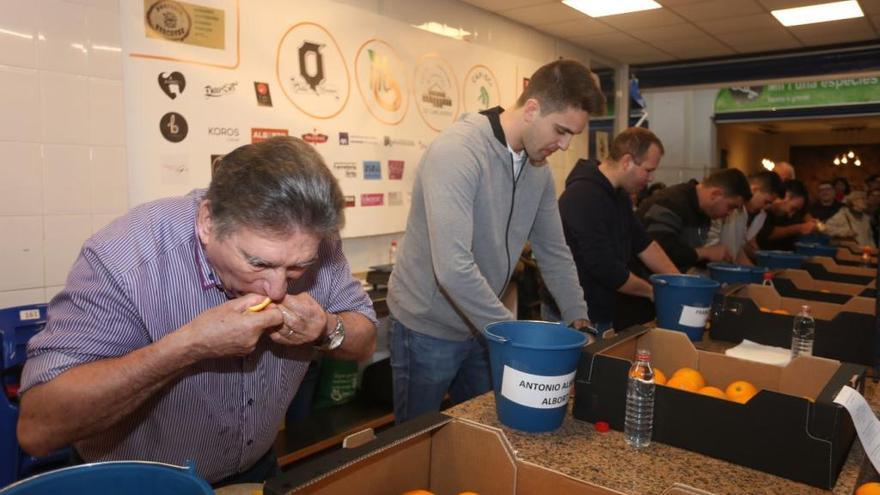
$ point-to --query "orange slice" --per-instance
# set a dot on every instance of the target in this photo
(261, 306)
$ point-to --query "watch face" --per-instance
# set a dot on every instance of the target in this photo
(336, 340)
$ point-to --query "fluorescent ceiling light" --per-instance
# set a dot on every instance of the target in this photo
(600, 8)
(822, 12)
(444, 30)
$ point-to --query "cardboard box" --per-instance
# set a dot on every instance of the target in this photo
(433, 452)
(824, 268)
(799, 284)
(846, 332)
(791, 428)
(845, 256)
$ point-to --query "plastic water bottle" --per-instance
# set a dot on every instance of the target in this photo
(767, 278)
(803, 333)
(392, 252)
(639, 420)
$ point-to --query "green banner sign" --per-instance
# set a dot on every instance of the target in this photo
(833, 92)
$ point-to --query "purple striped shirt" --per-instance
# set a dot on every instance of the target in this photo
(141, 278)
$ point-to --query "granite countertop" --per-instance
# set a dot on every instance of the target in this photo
(578, 450)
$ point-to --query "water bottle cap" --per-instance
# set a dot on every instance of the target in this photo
(394, 242)
(805, 308)
(602, 426)
(768, 275)
(643, 355)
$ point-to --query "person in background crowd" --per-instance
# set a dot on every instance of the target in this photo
(601, 228)
(678, 219)
(738, 230)
(851, 222)
(826, 205)
(786, 220)
(873, 210)
(785, 171)
(841, 188)
(648, 192)
(481, 191)
(872, 182)
(151, 351)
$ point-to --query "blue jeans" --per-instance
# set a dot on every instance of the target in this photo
(424, 368)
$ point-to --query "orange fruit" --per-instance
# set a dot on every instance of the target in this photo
(418, 492)
(780, 312)
(741, 391)
(764, 309)
(261, 306)
(692, 376)
(659, 377)
(713, 392)
(870, 488)
(468, 493)
(682, 383)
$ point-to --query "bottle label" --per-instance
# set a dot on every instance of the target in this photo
(692, 316)
(538, 391)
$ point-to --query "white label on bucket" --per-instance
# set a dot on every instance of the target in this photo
(540, 392)
(692, 316)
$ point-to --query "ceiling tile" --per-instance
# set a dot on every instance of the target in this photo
(718, 9)
(663, 33)
(760, 36)
(673, 3)
(833, 39)
(635, 53)
(787, 4)
(745, 43)
(696, 48)
(498, 5)
(545, 13)
(603, 41)
(740, 24)
(644, 19)
(578, 27)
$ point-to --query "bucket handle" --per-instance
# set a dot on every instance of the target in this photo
(496, 338)
(660, 281)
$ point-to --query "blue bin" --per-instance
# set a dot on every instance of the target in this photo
(118, 478)
(732, 273)
(780, 259)
(533, 368)
(683, 302)
(822, 239)
(812, 249)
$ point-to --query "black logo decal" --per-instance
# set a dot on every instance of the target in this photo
(172, 84)
(173, 127)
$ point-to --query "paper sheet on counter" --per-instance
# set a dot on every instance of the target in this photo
(753, 351)
(866, 422)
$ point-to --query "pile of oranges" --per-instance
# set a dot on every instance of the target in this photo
(426, 492)
(691, 380)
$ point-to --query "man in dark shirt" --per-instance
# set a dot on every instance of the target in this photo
(827, 205)
(601, 229)
(679, 217)
(786, 220)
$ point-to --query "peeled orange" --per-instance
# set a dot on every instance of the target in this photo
(692, 376)
(741, 391)
(713, 392)
(261, 306)
(659, 377)
(870, 488)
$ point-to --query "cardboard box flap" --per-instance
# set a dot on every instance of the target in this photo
(767, 298)
(721, 370)
(807, 376)
(409, 444)
(461, 445)
(532, 479)
(804, 281)
(832, 266)
(864, 305)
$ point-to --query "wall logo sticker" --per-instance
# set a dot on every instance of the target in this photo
(264, 97)
(169, 20)
(343, 139)
(348, 170)
(372, 199)
(172, 83)
(349, 200)
(312, 71)
(184, 22)
(259, 134)
(390, 141)
(379, 74)
(372, 170)
(436, 92)
(229, 133)
(395, 198)
(395, 169)
(222, 90)
(314, 137)
(480, 90)
(173, 127)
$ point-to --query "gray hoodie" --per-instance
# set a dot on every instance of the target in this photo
(455, 261)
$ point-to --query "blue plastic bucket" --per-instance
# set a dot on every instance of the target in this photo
(731, 273)
(683, 302)
(533, 368)
(780, 259)
(813, 249)
(815, 239)
(118, 478)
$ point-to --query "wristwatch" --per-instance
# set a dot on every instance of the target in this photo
(334, 339)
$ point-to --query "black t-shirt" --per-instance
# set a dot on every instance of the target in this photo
(821, 212)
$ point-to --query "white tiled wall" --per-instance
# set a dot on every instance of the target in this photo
(62, 173)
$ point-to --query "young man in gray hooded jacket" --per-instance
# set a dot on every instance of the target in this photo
(481, 192)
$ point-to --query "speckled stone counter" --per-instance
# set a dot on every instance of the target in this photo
(604, 459)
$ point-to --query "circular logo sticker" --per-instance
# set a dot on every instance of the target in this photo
(480, 90)
(311, 71)
(169, 19)
(379, 74)
(173, 127)
(436, 92)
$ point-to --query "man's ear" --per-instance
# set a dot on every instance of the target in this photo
(203, 221)
(531, 110)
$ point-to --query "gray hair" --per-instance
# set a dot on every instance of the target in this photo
(279, 186)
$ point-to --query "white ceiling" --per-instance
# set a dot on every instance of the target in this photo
(686, 29)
